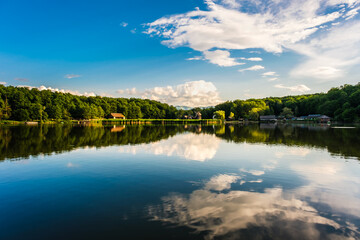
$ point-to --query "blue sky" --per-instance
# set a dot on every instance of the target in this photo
(188, 52)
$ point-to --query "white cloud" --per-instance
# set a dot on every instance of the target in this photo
(297, 88)
(131, 91)
(231, 3)
(272, 79)
(2, 83)
(221, 58)
(253, 59)
(69, 76)
(269, 74)
(128, 91)
(195, 58)
(225, 28)
(124, 24)
(41, 88)
(190, 94)
(352, 13)
(253, 68)
(331, 55)
(272, 26)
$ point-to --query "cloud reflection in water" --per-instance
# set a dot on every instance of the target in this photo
(191, 146)
(221, 212)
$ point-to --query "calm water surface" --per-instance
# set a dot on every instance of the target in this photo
(180, 182)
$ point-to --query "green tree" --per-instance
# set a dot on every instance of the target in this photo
(219, 115)
(134, 111)
(231, 115)
(287, 112)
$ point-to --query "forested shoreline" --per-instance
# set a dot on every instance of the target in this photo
(24, 104)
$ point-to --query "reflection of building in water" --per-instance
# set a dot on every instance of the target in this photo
(222, 213)
(117, 128)
(268, 118)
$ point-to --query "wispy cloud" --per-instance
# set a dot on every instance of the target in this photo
(272, 79)
(269, 74)
(2, 83)
(253, 59)
(297, 88)
(124, 24)
(231, 3)
(69, 76)
(331, 55)
(253, 68)
(195, 58)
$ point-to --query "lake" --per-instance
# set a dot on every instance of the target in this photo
(179, 182)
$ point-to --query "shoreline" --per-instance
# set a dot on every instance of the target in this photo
(115, 121)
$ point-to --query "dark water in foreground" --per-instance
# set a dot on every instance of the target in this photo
(180, 182)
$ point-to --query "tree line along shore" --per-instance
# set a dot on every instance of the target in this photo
(23, 104)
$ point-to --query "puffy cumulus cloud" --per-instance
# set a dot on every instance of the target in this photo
(191, 146)
(253, 68)
(270, 25)
(70, 76)
(235, 213)
(2, 83)
(221, 58)
(41, 88)
(190, 94)
(297, 88)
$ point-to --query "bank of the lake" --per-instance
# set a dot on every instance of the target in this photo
(116, 121)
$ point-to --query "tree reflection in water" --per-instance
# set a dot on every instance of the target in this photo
(25, 141)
